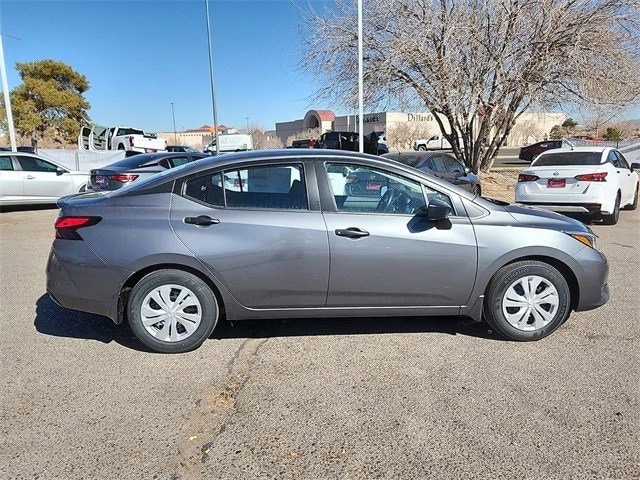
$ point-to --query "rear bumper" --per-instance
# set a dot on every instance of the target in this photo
(78, 279)
(589, 208)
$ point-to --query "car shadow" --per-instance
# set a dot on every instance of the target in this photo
(54, 320)
(28, 208)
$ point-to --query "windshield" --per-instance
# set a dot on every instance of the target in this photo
(407, 158)
(558, 159)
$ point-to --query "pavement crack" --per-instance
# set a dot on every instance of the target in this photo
(215, 408)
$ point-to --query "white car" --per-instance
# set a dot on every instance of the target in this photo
(592, 180)
(29, 179)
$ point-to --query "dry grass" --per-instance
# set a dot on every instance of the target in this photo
(500, 183)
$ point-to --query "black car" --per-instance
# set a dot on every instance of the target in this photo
(529, 152)
(442, 165)
(181, 148)
(137, 167)
(350, 141)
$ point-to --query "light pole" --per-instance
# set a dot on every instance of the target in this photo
(360, 81)
(173, 115)
(213, 93)
(247, 119)
(7, 100)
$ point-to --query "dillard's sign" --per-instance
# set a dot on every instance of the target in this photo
(369, 119)
(419, 117)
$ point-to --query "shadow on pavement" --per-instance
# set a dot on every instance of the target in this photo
(27, 208)
(52, 319)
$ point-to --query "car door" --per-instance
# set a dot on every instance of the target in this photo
(628, 179)
(11, 180)
(383, 254)
(42, 179)
(254, 230)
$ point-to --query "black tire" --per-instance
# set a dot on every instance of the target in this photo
(634, 205)
(476, 190)
(422, 148)
(508, 277)
(612, 219)
(207, 310)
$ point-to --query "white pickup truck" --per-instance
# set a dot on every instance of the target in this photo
(435, 142)
(128, 139)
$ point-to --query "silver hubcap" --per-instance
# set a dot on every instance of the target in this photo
(171, 313)
(530, 303)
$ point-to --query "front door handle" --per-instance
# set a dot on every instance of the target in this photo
(201, 220)
(29, 177)
(352, 232)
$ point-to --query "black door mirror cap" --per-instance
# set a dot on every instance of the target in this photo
(436, 211)
(635, 166)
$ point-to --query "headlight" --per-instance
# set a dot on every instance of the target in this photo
(589, 239)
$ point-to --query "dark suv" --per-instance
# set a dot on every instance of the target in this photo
(350, 141)
(529, 152)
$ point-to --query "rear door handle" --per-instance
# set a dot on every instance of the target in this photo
(30, 177)
(352, 232)
(201, 220)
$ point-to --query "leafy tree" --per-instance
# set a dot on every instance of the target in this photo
(613, 134)
(557, 132)
(477, 65)
(49, 102)
(569, 124)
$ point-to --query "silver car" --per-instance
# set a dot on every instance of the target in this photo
(26, 178)
(178, 252)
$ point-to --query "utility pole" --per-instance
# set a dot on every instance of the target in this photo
(213, 93)
(7, 100)
(173, 115)
(360, 81)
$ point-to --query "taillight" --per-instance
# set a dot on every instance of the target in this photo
(525, 177)
(123, 177)
(592, 177)
(131, 139)
(66, 227)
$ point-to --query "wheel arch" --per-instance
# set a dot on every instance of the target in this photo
(562, 267)
(125, 290)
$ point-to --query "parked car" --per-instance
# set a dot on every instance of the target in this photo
(529, 152)
(308, 143)
(26, 178)
(181, 148)
(442, 165)
(350, 141)
(177, 252)
(137, 167)
(591, 180)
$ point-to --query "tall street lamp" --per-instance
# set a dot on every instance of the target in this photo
(7, 101)
(213, 94)
(360, 81)
(173, 115)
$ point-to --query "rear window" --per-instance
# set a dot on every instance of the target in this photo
(135, 161)
(557, 159)
(407, 159)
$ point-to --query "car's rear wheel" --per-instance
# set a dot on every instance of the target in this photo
(172, 311)
(422, 148)
(612, 219)
(527, 300)
(634, 205)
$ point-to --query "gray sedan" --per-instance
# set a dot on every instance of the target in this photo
(178, 252)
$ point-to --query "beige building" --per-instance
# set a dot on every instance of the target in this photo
(197, 138)
(530, 127)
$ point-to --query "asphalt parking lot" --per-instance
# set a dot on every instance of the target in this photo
(341, 398)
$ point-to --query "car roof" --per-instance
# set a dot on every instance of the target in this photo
(266, 156)
(576, 149)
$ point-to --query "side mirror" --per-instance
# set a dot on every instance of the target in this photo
(635, 166)
(436, 211)
(467, 170)
(60, 171)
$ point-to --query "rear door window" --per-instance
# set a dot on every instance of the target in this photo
(33, 164)
(5, 163)
(453, 166)
(438, 164)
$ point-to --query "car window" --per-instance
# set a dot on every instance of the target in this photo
(33, 164)
(622, 162)
(207, 189)
(453, 166)
(557, 159)
(371, 190)
(177, 161)
(272, 187)
(438, 164)
(5, 163)
(611, 158)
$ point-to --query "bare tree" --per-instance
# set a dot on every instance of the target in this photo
(478, 64)
(262, 139)
(402, 135)
(309, 134)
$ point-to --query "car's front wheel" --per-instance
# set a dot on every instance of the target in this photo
(527, 300)
(172, 311)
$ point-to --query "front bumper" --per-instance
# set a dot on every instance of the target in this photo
(78, 279)
(592, 274)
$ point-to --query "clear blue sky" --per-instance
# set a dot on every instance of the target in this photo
(139, 56)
